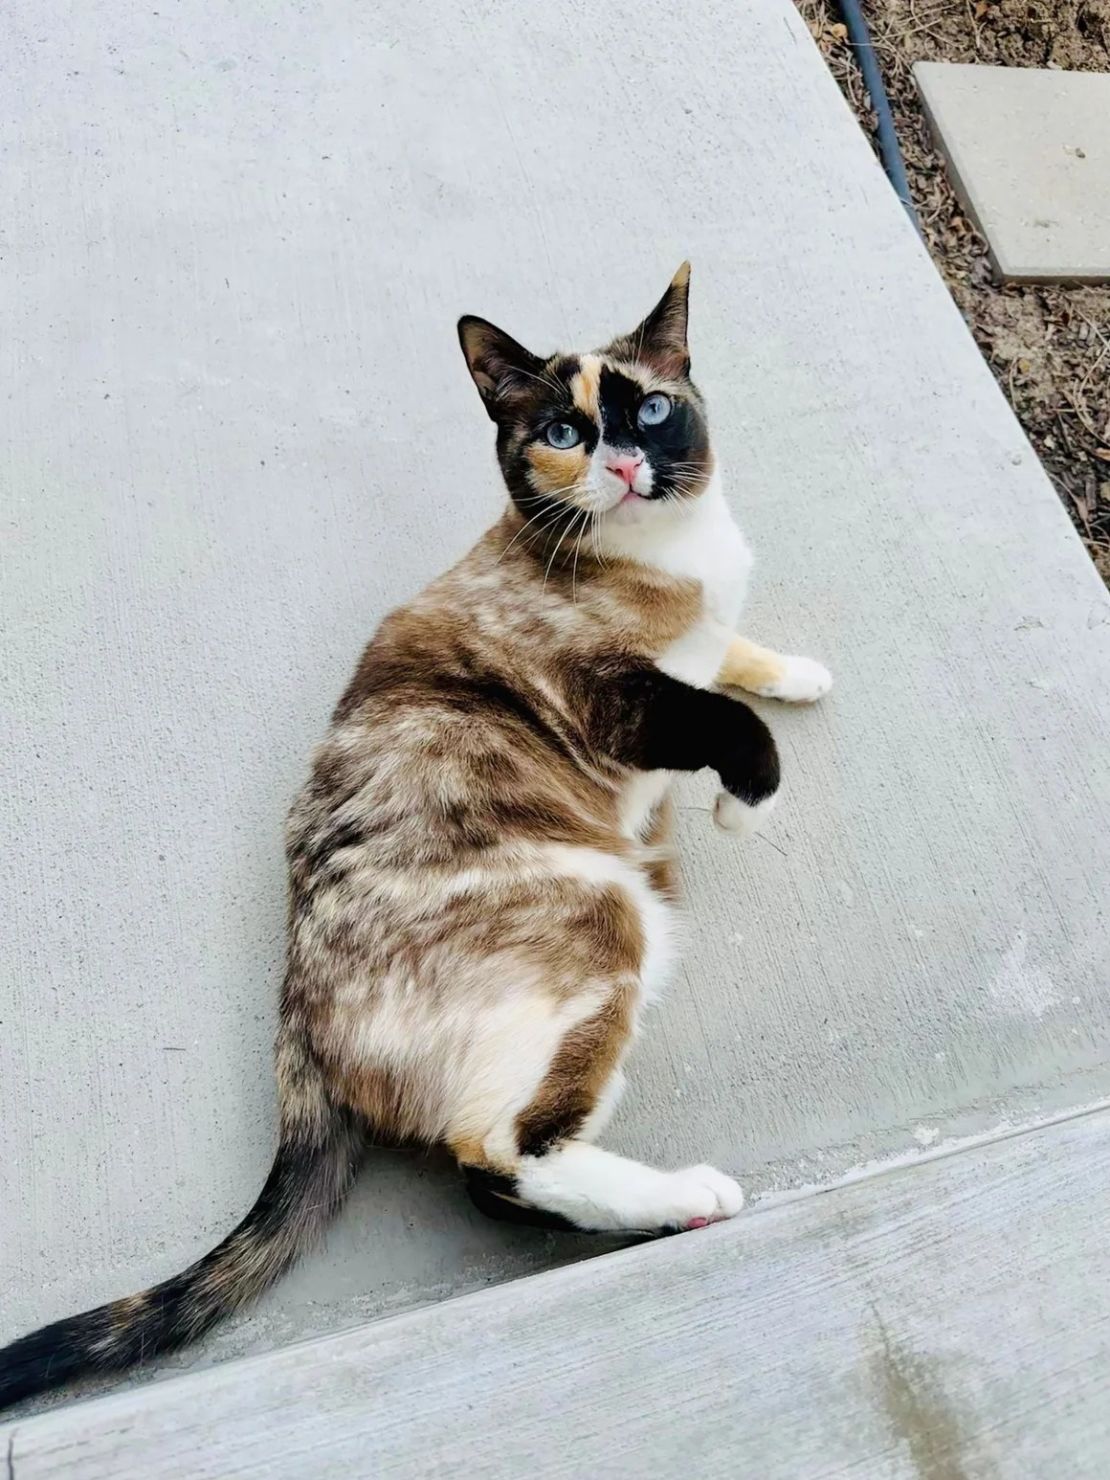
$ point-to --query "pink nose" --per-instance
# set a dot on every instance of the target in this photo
(626, 467)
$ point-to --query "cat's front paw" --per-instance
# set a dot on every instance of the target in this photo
(742, 818)
(801, 681)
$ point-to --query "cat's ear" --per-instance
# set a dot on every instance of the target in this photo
(661, 339)
(501, 368)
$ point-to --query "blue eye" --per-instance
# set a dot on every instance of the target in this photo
(562, 435)
(654, 409)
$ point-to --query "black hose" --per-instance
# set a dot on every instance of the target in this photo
(889, 150)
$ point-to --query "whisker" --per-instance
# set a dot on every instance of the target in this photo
(558, 547)
(586, 516)
(543, 379)
(598, 556)
(570, 488)
(543, 534)
(555, 513)
(576, 486)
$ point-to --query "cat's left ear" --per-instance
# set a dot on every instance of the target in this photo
(501, 368)
(661, 339)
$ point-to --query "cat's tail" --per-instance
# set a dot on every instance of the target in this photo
(314, 1166)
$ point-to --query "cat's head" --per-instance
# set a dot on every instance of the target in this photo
(620, 432)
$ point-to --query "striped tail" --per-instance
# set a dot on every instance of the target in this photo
(312, 1171)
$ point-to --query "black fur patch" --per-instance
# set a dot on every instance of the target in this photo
(497, 1197)
(677, 450)
(646, 719)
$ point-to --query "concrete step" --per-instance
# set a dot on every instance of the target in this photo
(948, 1320)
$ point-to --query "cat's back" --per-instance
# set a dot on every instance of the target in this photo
(462, 723)
(456, 727)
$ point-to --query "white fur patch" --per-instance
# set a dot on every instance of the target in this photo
(696, 657)
(734, 816)
(597, 1190)
(700, 541)
(640, 796)
(602, 1113)
(803, 681)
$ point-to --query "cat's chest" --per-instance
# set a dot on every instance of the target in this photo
(716, 555)
(713, 552)
(706, 546)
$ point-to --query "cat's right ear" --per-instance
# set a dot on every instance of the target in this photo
(501, 368)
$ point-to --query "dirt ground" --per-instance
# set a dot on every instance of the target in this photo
(1048, 346)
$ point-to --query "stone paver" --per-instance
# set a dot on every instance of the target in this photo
(1029, 151)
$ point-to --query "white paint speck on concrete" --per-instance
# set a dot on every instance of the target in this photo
(1019, 987)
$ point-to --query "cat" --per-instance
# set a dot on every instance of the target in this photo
(482, 895)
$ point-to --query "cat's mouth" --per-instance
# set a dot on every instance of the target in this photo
(631, 507)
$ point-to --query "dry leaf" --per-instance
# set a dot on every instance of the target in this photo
(981, 10)
(1084, 507)
(1103, 454)
(1025, 366)
(839, 31)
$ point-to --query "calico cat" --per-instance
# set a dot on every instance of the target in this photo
(481, 890)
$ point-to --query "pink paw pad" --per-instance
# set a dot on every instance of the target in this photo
(698, 1223)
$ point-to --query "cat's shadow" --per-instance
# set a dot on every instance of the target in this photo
(410, 1235)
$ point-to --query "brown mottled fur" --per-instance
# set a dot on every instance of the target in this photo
(432, 774)
(478, 889)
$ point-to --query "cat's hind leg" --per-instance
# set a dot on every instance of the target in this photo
(596, 1190)
(576, 1185)
(542, 1168)
(773, 675)
(539, 1086)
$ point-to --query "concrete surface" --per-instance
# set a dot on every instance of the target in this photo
(237, 428)
(1029, 154)
(798, 1344)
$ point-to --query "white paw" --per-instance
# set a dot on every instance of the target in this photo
(697, 1196)
(734, 816)
(802, 681)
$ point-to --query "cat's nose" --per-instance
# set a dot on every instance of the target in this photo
(626, 467)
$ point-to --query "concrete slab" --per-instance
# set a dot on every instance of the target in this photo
(1029, 153)
(237, 429)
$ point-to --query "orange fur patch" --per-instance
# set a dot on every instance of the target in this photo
(585, 386)
(555, 471)
(749, 666)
